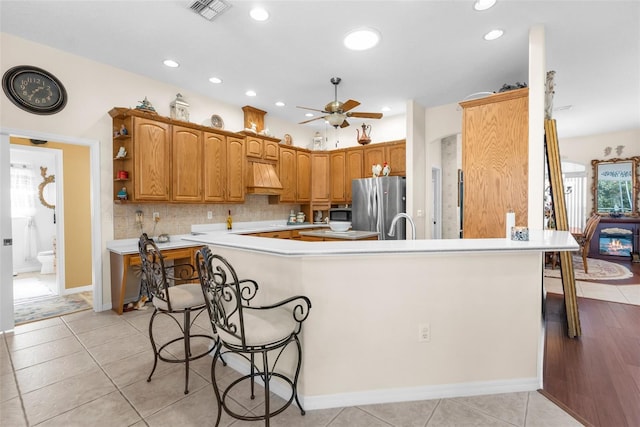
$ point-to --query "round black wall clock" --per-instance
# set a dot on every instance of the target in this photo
(34, 89)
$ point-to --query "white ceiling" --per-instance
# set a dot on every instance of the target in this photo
(431, 51)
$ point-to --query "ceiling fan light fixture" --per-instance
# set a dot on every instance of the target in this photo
(362, 39)
(335, 119)
(480, 5)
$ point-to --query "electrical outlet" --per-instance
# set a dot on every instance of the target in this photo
(156, 216)
(424, 332)
(139, 217)
(420, 213)
(209, 215)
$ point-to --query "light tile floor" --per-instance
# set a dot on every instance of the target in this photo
(628, 294)
(90, 368)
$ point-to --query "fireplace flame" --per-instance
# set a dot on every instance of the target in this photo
(615, 245)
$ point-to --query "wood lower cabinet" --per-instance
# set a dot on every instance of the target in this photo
(495, 153)
(151, 174)
(186, 164)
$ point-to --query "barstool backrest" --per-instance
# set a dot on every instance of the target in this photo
(153, 271)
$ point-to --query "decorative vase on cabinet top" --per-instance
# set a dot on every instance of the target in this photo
(364, 139)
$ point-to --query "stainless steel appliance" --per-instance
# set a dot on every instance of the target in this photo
(375, 201)
(340, 214)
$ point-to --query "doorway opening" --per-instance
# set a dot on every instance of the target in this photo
(37, 221)
(90, 257)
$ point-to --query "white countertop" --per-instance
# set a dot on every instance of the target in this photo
(346, 235)
(216, 234)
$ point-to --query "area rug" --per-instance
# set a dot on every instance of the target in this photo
(598, 270)
(33, 309)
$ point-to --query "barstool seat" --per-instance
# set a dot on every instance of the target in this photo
(250, 330)
(170, 295)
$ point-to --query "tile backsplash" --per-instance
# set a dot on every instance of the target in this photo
(178, 218)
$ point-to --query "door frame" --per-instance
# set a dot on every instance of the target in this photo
(6, 261)
(436, 220)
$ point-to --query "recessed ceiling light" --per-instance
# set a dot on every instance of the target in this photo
(483, 4)
(385, 108)
(362, 39)
(259, 14)
(171, 63)
(215, 80)
(280, 104)
(309, 115)
(250, 93)
(493, 34)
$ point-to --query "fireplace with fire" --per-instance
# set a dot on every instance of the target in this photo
(615, 238)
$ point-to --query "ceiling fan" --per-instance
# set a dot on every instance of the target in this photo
(337, 112)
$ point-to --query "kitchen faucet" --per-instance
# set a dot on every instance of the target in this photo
(392, 228)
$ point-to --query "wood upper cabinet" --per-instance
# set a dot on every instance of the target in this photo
(303, 176)
(151, 143)
(495, 153)
(394, 153)
(354, 168)
(262, 148)
(223, 168)
(215, 167)
(288, 175)
(186, 164)
(320, 185)
(337, 176)
(235, 170)
(295, 175)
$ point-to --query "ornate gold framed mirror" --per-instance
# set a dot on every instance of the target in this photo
(615, 186)
(47, 189)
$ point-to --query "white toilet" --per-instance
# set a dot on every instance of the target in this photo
(46, 258)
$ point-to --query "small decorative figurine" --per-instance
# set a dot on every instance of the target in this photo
(122, 153)
(386, 169)
(376, 169)
(123, 130)
(122, 194)
(145, 105)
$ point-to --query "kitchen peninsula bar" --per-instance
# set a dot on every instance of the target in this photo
(480, 300)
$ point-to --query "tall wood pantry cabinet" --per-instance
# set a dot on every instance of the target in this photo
(495, 158)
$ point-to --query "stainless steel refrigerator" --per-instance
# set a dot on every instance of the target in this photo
(375, 201)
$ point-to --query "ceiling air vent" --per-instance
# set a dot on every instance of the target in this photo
(209, 9)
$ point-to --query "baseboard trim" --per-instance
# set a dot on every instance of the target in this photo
(79, 289)
(369, 397)
(408, 394)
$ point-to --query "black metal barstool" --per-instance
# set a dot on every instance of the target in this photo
(266, 331)
(172, 293)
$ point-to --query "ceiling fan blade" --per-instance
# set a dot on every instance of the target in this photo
(310, 120)
(312, 109)
(350, 104)
(344, 124)
(365, 115)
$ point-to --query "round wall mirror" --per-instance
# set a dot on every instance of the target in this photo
(47, 189)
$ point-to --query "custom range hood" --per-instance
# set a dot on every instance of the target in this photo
(263, 179)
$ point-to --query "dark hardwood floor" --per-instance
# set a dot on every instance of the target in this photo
(595, 377)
